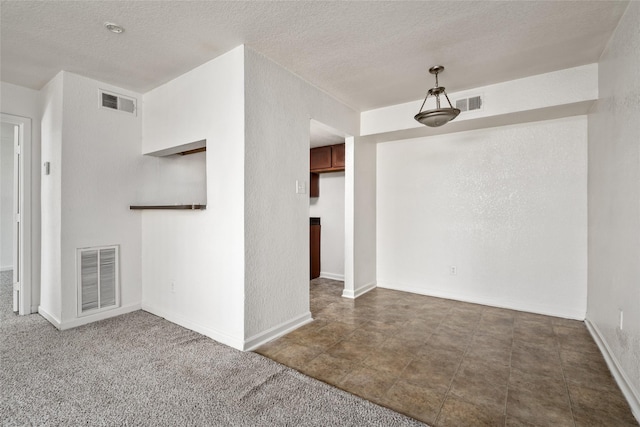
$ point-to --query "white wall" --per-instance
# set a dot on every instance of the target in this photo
(614, 206)
(200, 252)
(506, 206)
(277, 113)
(6, 196)
(174, 179)
(95, 158)
(100, 164)
(51, 189)
(360, 217)
(240, 268)
(330, 208)
(20, 101)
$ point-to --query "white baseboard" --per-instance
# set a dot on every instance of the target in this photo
(630, 393)
(332, 276)
(353, 294)
(34, 309)
(511, 305)
(221, 337)
(74, 323)
(276, 331)
(6, 268)
(50, 317)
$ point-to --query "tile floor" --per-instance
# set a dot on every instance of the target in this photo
(449, 363)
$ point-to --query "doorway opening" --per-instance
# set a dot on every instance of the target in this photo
(327, 204)
(15, 212)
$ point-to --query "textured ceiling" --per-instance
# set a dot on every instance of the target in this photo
(367, 54)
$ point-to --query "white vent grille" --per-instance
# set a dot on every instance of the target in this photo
(470, 104)
(113, 101)
(462, 104)
(475, 103)
(98, 272)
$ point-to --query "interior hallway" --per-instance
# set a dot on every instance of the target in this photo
(451, 363)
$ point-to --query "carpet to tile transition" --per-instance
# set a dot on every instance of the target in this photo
(139, 369)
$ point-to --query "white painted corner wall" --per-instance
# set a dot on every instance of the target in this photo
(193, 261)
(330, 208)
(51, 200)
(614, 208)
(505, 206)
(94, 158)
(360, 218)
(277, 114)
(100, 175)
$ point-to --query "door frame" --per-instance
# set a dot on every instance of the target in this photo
(23, 208)
(349, 200)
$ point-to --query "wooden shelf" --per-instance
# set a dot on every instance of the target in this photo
(182, 149)
(169, 207)
(195, 150)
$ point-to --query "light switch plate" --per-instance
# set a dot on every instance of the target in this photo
(301, 187)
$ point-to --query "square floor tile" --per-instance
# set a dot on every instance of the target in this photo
(368, 382)
(421, 403)
(457, 412)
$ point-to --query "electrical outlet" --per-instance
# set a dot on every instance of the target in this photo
(173, 287)
(453, 270)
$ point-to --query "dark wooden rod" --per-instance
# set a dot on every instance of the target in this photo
(175, 207)
(195, 150)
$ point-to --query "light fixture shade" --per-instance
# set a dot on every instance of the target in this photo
(438, 116)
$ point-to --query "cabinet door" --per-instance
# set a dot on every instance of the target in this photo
(314, 187)
(314, 251)
(337, 156)
(320, 158)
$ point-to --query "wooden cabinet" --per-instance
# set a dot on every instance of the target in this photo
(314, 248)
(320, 158)
(314, 186)
(327, 159)
(337, 156)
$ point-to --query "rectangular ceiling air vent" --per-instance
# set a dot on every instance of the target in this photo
(469, 104)
(114, 101)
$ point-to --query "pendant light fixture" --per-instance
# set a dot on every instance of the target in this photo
(439, 116)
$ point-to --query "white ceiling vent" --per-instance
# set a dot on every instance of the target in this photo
(472, 103)
(114, 101)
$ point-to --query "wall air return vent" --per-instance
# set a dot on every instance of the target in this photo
(113, 101)
(472, 103)
(98, 273)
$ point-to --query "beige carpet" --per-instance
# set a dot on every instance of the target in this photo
(139, 369)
